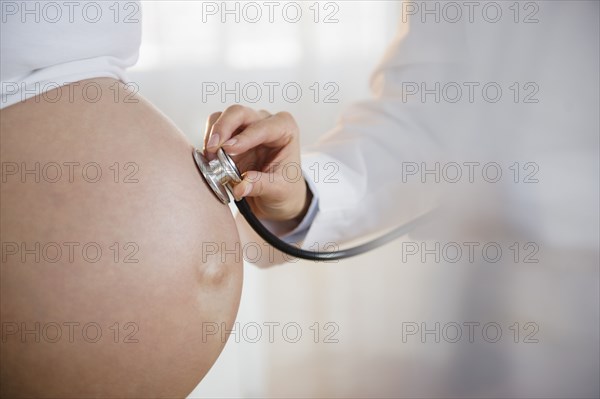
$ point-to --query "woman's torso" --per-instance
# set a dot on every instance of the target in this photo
(114, 230)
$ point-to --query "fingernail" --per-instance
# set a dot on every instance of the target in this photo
(230, 142)
(213, 141)
(247, 190)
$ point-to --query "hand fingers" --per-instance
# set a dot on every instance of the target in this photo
(209, 124)
(227, 123)
(275, 131)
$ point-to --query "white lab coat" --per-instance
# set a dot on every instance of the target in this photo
(375, 139)
(356, 168)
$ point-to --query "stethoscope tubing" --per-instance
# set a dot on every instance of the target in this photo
(297, 252)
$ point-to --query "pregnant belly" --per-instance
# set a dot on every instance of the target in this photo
(110, 284)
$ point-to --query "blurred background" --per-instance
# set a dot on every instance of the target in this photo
(355, 316)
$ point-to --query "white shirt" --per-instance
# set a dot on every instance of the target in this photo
(45, 45)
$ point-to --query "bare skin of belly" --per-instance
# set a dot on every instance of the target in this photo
(106, 286)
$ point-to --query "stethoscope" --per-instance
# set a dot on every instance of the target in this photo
(221, 173)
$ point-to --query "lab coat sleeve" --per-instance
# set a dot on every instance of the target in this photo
(363, 170)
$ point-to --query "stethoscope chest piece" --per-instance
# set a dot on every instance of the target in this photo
(219, 173)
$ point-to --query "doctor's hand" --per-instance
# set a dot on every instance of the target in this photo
(266, 149)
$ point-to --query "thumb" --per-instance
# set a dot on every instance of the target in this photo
(254, 184)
